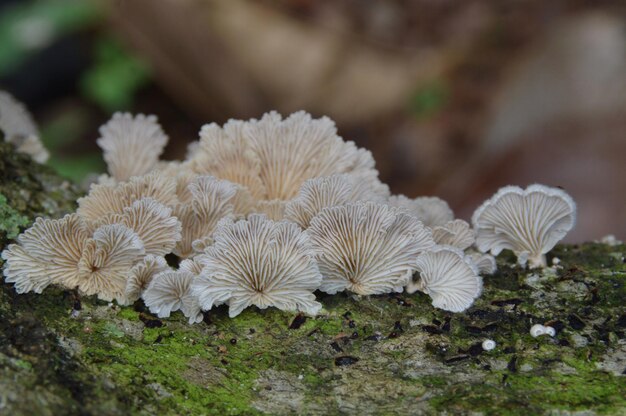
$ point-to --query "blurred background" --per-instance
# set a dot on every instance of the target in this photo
(455, 98)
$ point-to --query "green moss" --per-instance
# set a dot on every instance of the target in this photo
(11, 222)
(30, 190)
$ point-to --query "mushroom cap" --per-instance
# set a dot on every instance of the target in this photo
(211, 201)
(106, 261)
(107, 198)
(537, 330)
(272, 157)
(319, 193)
(456, 233)
(451, 280)
(19, 128)
(527, 221)
(47, 253)
(431, 210)
(153, 222)
(141, 275)
(258, 262)
(131, 145)
(485, 263)
(366, 247)
(170, 291)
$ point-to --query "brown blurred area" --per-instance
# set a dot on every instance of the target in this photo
(454, 98)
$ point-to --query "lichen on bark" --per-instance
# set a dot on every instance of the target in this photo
(391, 354)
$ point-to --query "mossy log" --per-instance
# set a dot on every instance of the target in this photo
(394, 354)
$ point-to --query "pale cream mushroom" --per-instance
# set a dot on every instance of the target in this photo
(259, 262)
(485, 263)
(367, 248)
(319, 193)
(47, 253)
(131, 145)
(19, 128)
(141, 275)
(432, 211)
(456, 233)
(450, 279)
(271, 158)
(528, 222)
(211, 201)
(106, 261)
(153, 222)
(106, 199)
(170, 291)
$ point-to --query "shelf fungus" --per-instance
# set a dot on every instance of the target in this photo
(18, 128)
(448, 277)
(485, 263)
(258, 262)
(170, 291)
(319, 193)
(367, 248)
(272, 157)
(106, 199)
(211, 201)
(456, 233)
(528, 222)
(131, 144)
(141, 275)
(63, 252)
(432, 211)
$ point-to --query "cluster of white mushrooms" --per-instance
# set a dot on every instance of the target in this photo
(265, 212)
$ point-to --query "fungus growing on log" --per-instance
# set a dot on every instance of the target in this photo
(131, 145)
(367, 248)
(448, 277)
(527, 221)
(258, 262)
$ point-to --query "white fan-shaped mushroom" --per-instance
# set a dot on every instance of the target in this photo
(485, 263)
(131, 145)
(141, 275)
(529, 222)
(456, 233)
(271, 158)
(210, 202)
(258, 262)
(432, 211)
(170, 291)
(154, 224)
(107, 198)
(451, 280)
(367, 248)
(47, 253)
(19, 128)
(107, 260)
(319, 193)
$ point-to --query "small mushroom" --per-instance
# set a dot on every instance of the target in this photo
(485, 263)
(456, 233)
(319, 193)
(131, 145)
(272, 157)
(141, 275)
(550, 331)
(529, 222)
(448, 277)
(170, 291)
(258, 262)
(432, 211)
(367, 248)
(211, 201)
(47, 253)
(19, 128)
(537, 330)
(488, 344)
